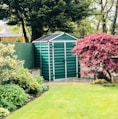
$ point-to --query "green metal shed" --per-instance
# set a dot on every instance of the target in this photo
(53, 56)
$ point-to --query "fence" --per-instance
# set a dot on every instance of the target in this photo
(25, 51)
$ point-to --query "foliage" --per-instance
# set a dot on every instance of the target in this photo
(44, 87)
(105, 15)
(40, 80)
(99, 81)
(84, 28)
(12, 96)
(46, 15)
(13, 71)
(3, 112)
(8, 61)
(114, 24)
(24, 79)
(96, 52)
(8, 105)
(105, 9)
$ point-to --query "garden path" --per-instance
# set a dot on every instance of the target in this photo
(69, 81)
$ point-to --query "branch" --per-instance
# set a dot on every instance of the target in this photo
(99, 2)
(109, 9)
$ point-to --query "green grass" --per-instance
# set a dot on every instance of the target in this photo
(80, 101)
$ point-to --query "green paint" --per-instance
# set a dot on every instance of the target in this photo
(25, 51)
(42, 60)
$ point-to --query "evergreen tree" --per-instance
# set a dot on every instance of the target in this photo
(45, 15)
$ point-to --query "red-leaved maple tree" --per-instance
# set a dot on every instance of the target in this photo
(96, 52)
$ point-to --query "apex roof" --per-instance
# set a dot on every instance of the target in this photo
(51, 37)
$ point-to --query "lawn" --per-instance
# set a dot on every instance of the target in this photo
(72, 101)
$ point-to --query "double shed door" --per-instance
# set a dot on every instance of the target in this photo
(65, 65)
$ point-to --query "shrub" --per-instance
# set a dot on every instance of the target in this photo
(12, 96)
(99, 81)
(12, 70)
(24, 79)
(3, 112)
(39, 79)
(8, 61)
(44, 87)
(7, 104)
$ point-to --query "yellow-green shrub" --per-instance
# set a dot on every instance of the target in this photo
(25, 80)
(3, 112)
(12, 70)
(99, 81)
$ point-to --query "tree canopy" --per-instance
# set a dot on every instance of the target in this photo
(44, 15)
(96, 52)
(105, 16)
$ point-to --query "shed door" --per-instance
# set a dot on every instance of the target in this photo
(64, 63)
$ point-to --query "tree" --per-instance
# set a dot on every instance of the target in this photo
(96, 52)
(45, 15)
(103, 13)
(113, 28)
(84, 28)
(15, 13)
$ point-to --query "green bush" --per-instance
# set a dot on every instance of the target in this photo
(25, 80)
(12, 70)
(12, 96)
(3, 112)
(44, 87)
(7, 104)
(39, 79)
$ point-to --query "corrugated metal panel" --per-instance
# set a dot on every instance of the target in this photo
(45, 61)
(41, 58)
(71, 61)
(37, 54)
(59, 60)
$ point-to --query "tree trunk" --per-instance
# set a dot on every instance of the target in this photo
(24, 31)
(110, 77)
(104, 28)
(36, 33)
(105, 9)
(98, 25)
(114, 20)
(22, 22)
(102, 75)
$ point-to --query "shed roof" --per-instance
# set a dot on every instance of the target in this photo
(51, 37)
